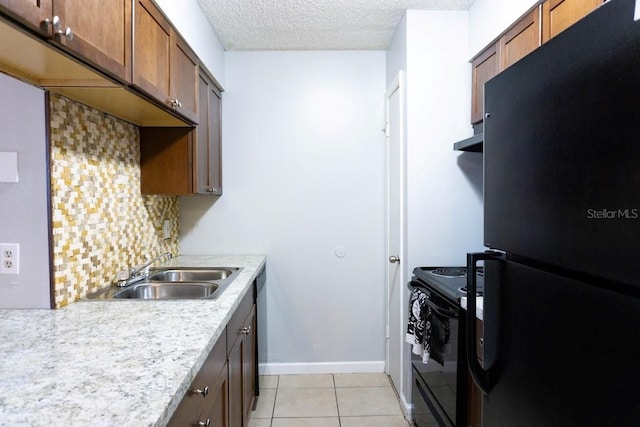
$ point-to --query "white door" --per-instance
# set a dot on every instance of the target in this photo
(394, 226)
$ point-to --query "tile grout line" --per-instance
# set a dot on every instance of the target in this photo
(335, 394)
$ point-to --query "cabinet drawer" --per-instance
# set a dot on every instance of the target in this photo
(204, 390)
(236, 324)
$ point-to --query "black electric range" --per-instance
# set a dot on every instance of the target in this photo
(448, 282)
(439, 389)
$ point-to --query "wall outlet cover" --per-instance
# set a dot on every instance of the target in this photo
(9, 258)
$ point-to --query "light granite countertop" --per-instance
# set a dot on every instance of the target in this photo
(112, 363)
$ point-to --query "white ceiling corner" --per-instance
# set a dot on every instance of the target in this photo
(312, 24)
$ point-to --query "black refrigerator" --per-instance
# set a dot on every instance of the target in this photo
(562, 222)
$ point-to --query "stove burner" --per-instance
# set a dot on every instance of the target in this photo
(449, 272)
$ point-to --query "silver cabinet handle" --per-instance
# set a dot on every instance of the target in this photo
(204, 423)
(57, 28)
(394, 259)
(245, 330)
(204, 392)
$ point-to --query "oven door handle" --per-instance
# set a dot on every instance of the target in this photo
(441, 311)
(485, 378)
(451, 314)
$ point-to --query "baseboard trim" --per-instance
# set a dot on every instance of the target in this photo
(321, 368)
(407, 408)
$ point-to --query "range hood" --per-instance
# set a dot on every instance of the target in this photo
(473, 144)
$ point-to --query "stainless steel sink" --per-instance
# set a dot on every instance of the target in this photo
(168, 290)
(174, 283)
(190, 275)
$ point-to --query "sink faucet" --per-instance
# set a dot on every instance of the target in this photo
(137, 273)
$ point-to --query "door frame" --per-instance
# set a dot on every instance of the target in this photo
(397, 85)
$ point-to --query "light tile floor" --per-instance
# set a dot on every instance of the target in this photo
(327, 400)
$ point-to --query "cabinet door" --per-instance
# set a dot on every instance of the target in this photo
(235, 385)
(521, 39)
(218, 414)
(207, 156)
(31, 13)
(184, 78)
(151, 47)
(101, 33)
(485, 66)
(249, 366)
(240, 327)
(558, 15)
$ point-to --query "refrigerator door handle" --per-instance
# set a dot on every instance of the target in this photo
(483, 377)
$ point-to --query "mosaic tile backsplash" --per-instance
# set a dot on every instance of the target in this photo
(101, 222)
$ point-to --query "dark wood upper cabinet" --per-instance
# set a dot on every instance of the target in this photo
(88, 29)
(521, 39)
(208, 152)
(30, 13)
(558, 15)
(164, 66)
(166, 160)
(541, 23)
(101, 33)
(151, 46)
(484, 67)
(185, 161)
(184, 78)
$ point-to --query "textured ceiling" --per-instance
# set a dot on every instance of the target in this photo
(312, 24)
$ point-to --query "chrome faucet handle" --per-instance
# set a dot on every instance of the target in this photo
(122, 278)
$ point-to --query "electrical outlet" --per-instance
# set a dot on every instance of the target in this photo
(166, 229)
(9, 258)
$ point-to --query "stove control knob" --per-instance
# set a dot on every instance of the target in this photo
(394, 259)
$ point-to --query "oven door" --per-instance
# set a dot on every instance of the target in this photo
(439, 396)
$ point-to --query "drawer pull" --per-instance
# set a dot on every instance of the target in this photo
(204, 423)
(204, 392)
(245, 330)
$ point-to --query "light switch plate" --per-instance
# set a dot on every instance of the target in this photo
(8, 167)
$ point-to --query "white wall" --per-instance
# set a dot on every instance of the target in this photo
(188, 18)
(396, 54)
(23, 205)
(489, 18)
(303, 160)
(444, 187)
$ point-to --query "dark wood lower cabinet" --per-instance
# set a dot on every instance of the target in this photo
(207, 397)
(249, 365)
(219, 412)
(241, 347)
(235, 386)
(225, 388)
